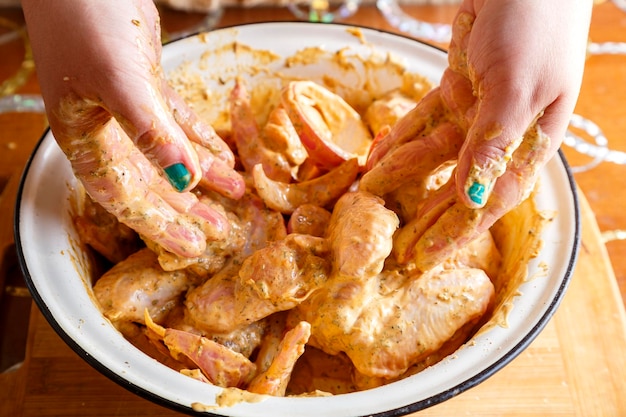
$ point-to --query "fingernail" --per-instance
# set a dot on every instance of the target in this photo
(178, 175)
(476, 193)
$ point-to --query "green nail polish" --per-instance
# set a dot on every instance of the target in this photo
(476, 193)
(178, 175)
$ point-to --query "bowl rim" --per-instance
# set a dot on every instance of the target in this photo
(438, 398)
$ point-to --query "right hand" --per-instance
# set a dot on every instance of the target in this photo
(501, 111)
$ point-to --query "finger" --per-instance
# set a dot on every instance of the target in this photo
(149, 122)
(211, 222)
(497, 131)
(218, 175)
(113, 172)
(457, 52)
(460, 224)
(120, 178)
(455, 228)
(426, 114)
(406, 238)
(130, 89)
(504, 108)
(413, 160)
(196, 130)
(458, 96)
(555, 120)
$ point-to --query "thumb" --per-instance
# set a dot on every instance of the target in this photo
(497, 131)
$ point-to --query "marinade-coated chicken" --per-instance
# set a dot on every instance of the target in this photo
(384, 331)
(139, 283)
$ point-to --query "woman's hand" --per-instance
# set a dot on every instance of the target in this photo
(122, 127)
(502, 109)
(515, 70)
(523, 61)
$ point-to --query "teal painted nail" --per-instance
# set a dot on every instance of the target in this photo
(178, 175)
(476, 193)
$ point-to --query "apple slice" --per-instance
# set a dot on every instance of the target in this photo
(330, 129)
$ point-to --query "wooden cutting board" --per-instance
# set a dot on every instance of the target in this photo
(576, 367)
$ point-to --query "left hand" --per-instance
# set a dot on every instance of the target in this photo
(122, 127)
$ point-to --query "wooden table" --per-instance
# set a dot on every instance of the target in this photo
(576, 367)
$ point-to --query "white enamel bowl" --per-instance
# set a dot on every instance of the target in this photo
(55, 267)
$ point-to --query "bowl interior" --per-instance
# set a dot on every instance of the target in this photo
(57, 269)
